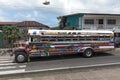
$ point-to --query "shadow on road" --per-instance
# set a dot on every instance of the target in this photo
(103, 54)
(56, 57)
(71, 56)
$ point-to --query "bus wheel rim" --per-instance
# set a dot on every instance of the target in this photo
(20, 58)
(89, 53)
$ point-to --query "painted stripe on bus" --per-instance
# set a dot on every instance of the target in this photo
(106, 46)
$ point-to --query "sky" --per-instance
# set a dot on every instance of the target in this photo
(34, 10)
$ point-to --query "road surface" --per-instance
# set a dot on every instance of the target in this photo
(57, 62)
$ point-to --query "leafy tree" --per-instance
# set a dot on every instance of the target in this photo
(10, 33)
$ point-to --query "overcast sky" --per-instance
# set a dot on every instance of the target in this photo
(21, 10)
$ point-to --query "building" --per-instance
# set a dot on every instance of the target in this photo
(23, 28)
(92, 21)
(28, 24)
(25, 25)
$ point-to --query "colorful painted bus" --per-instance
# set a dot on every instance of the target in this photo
(62, 42)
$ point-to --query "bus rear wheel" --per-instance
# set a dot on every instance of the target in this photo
(88, 53)
(20, 57)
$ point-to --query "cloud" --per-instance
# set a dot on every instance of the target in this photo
(3, 16)
(56, 6)
(102, 6)
(16, 4)
(62, 6)
(28, 15)
(19, 10)
(35, 16)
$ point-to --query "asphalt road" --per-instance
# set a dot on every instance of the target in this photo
(57, 62)
(72, 61)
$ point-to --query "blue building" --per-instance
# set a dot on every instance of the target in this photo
(91, 21)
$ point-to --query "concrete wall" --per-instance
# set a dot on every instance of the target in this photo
(104, 26)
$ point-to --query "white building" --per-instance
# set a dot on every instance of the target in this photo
(92, 21)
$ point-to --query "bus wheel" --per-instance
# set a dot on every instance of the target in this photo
(20, 57)
(88, 53)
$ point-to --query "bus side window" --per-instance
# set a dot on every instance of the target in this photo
(107, 37)
(95, 38)
(101, 38)
(81, 38)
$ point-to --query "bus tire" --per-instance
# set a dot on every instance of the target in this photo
(21, 57)
(88, 53)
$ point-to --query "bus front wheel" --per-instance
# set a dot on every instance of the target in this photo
(20, 57)
(88, 53)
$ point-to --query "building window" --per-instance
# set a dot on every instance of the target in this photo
(100, 21)
(111, 21)
(89, 21)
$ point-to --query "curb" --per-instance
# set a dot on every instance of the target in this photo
(62, 69)
(117, 49)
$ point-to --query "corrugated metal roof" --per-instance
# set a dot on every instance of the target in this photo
(31, 24)
(93, 14)
(7, 23)
(25, 23)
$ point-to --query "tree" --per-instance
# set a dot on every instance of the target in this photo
(11, 34)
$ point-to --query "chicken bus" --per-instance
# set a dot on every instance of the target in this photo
(62, 42)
